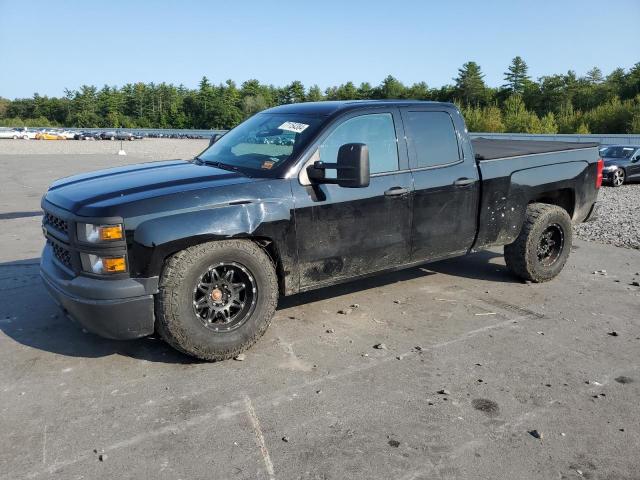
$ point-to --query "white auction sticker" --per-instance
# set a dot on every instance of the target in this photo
(293, 127)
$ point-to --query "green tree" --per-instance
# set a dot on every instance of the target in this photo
(548, 124)
(418, 91)
(518, 119)
(594, 75)
(470, 85)
(517, 76)
(314, 94)
(365, 91)
(294, 92)
(389, 88)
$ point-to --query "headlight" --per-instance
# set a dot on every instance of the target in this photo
(90, 233)
(609, 168)
(103, 265)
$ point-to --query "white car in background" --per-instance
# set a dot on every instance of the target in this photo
(68, 134)
(25, 133)
(16, 133)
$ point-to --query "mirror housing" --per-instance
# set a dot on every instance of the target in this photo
(352, 167)
(215, 137)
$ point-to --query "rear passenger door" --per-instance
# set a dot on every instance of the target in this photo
(446, 184)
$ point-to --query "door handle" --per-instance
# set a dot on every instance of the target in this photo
(396, 192)
(463, 182)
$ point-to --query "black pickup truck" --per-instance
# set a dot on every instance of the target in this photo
(300, 197)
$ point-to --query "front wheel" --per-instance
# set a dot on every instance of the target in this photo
(216, 299)
(543, 245)
(618, 178)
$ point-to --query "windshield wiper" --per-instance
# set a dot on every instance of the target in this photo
(223, 166)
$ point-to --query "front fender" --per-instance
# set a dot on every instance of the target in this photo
(270, 220)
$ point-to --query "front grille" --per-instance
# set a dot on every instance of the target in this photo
(62, 254)
(56, 222)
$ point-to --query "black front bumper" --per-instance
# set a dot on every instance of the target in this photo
(118, 309)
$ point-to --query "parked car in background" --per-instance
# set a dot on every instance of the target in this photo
(25, 133)
(8, 134)
(125, 136)
(87, 136)
(68, 134)
(621, 163)
(108, 135)
(111, 135)
(49, 135)
(16, 133)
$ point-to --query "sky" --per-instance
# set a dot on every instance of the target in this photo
(46, 47)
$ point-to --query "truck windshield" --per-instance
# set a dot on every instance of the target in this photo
(263, 142)
(617, 152)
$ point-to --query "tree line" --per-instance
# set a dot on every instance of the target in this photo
(561, 103)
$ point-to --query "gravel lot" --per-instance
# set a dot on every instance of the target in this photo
(481, 376)
(618, 221)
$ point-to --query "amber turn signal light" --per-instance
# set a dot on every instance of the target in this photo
(110, 232)
(114, 265)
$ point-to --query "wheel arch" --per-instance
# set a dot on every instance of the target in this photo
(564, 198)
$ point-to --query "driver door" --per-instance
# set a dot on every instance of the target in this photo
(342, 232)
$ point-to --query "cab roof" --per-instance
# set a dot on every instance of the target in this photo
(334, 106)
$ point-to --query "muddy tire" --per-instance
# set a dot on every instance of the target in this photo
(543, 245)
(216, 299)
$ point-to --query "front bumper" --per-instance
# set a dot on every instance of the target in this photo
(119, 309)
(607, 175)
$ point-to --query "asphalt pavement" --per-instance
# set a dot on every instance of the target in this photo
(452, 370)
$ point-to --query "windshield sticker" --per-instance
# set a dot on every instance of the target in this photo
(268, 164)
(293, 127)
(627, 148)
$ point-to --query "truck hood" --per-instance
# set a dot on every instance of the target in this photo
(102, 192)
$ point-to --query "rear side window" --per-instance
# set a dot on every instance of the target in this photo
(431, 138)
(376, 130)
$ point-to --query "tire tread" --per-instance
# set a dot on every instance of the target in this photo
(173, 275)
(516, 254)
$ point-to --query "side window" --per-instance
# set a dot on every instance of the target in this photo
(432, 138)
(375, 130)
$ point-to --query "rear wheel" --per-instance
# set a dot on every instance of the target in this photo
(216, 299)
(618, 178)
(543, 245)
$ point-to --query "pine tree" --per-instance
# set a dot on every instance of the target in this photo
(294, 92)
(390, 88)
(517, 77)
(314, 94)
(470, 84)
(594, 75)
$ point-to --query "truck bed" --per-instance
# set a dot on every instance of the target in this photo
(493, 149)
(515, 173)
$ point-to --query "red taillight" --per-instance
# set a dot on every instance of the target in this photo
(599, 173)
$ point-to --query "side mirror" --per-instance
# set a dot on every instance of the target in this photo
(352, 167)
(636, 158)
(214, 138)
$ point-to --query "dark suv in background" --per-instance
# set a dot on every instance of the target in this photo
(621, 163)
